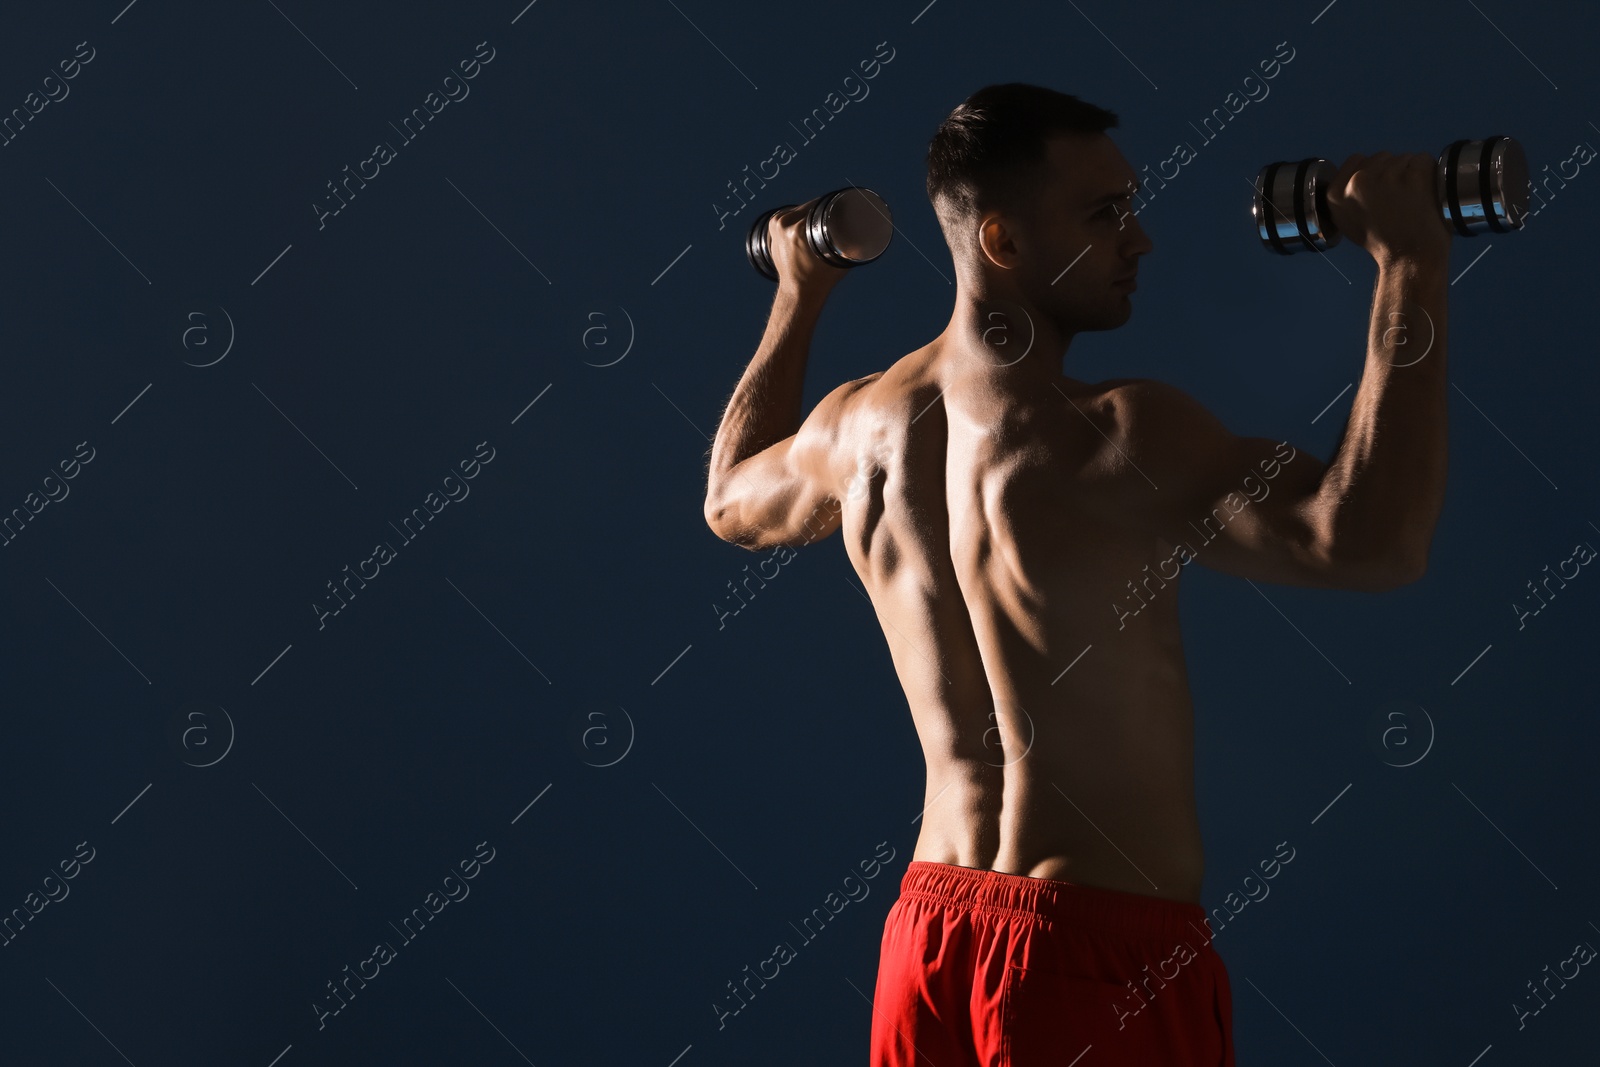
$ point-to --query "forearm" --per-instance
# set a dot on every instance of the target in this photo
(765, 406)
(1384, 488)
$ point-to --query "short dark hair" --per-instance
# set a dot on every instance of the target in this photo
(989, 153)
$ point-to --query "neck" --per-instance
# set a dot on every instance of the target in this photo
(1000, 335)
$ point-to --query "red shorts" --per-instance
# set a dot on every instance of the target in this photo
(983, 969)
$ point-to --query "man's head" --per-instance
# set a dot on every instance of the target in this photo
(1026, 183)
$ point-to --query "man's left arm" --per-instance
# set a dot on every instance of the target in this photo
(771, 477)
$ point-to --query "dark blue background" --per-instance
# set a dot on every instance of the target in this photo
(575, 587)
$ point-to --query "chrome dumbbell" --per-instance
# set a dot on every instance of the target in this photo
(847, 228)
(1482, 187)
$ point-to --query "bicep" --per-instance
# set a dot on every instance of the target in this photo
(1263, 523)
(1245, 506)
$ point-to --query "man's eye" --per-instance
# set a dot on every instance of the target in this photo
(1109, 210)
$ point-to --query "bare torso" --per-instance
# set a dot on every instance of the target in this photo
(983, 524)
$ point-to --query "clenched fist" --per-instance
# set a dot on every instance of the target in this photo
(1389, 205)
(798, 265)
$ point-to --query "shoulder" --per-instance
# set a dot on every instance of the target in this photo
(828, 430)
(1126, 408)
(886, 401)
(1167, 438)
(860, 386)
(833, 410)
(1145, 395)
(1153, 434)
(1151, 411)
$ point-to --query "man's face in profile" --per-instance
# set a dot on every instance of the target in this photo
(1081, 217)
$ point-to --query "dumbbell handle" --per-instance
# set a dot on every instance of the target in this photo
(1482, 187)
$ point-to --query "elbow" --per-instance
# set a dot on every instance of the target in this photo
(1381, 573)
(723, 519)
(716, 517)
(1409, 564)
(1412, 568)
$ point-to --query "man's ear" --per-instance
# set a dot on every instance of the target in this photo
(995, 240)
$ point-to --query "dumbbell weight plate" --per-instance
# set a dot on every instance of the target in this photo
(850, 226)
(1483, 186)
(756, 247)
(1291, 206)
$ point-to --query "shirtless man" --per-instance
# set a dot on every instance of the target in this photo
(1021, 535)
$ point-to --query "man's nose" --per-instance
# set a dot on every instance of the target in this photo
(1137, 242)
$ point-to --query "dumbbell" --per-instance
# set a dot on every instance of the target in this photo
(847, 228)
(1482, 187)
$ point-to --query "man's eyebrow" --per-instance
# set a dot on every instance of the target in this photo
(1137, 187)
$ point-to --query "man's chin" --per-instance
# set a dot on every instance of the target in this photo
(1111, 317)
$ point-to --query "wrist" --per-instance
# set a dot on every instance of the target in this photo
(1414, 262)
(808, 295)
(1414, 274)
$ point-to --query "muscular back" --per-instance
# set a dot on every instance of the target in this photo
(982, 518)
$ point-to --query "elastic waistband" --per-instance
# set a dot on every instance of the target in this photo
(1094, 907)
